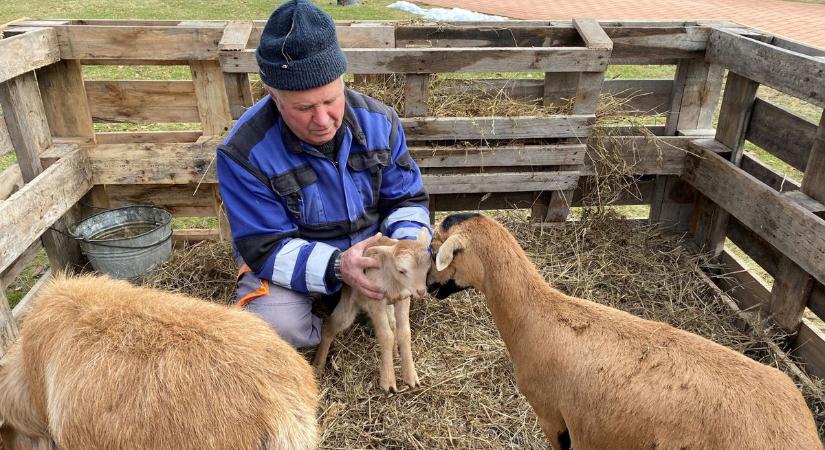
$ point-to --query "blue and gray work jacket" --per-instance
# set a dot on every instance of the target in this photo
(291, 209)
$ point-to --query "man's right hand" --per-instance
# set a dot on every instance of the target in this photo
(353, 265)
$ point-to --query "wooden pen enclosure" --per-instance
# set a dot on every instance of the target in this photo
(693, 177)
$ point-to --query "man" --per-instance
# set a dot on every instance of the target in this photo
(309, 174)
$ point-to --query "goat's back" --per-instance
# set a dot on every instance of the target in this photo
(118, 366)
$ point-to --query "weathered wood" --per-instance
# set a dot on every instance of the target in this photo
(363, 34)
(5, 140)
(154, 163)
(31, 211)
(817, 301)
(734, 116)
(65, 101)
(210, 91)
(809, 346)
(509, 156)
(795, 231)
(592, 33)
(148, 137)
(500, 182)
(782, 133)
(22, 307)
(416, 91)
(402, 60)
(181, 238)
(182, 200)
(11, 180)
(793, 286)
(138, 42)
(9, 275)
(790, 72)
(695, 94)
(587, 92)
(761, 252)
(768, 175)
(656, 45)
(750, 291)
(672, 203)
(8, 326)
(469, 128)
(28, 52)
(143, 101)
(646, 155)
(236, 35)
(559, 88)
(239, 93)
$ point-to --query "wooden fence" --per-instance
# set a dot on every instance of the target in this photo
(693, 177)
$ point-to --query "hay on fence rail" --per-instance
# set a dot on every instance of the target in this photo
(468, 398)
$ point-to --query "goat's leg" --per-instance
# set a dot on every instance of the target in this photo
(393, 327)
(340, 319)
(556, 431)
(386, 341)
(404, 338)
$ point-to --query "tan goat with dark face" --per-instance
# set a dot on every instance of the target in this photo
(600, 378)
(102, 364)
(403, 273)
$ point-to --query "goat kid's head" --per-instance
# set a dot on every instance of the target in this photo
(407, 262)
(457, 267)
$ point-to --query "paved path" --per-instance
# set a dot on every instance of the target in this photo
(803, 22)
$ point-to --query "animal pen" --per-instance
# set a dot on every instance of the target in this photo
(695, 178)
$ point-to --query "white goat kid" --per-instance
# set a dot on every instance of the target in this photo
(403, 273)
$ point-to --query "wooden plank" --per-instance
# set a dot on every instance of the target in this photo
(11, 180)
(768, 175)
(696, 93)
(793, 286)
(749, 291)
(508, 156)
(500, 182)
(154, 163)
(416, 91)
(559, 88)
(762, 253)
(469, 128)
(191, 236)
(239, 93)
(210, 91)
(27, 52)
(809, 346)
(792, 73)
(65, 101)
(5, 140)
(734, 116)
(182, 200)
(672, 203)
(31, 211)
(817, 301)
(9, 275)
(8, 326)
(656, 45)
(148, 137)
(25, 303)
(592, 33)
(782, 133)
(143, 101)
(402, 60)
(236, 35)
(795, 231)
(138, 42)
(352, 35)
(646, 155)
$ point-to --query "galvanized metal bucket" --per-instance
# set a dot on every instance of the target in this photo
(125, 242)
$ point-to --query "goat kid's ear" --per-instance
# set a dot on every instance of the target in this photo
(379, 251)
(424, 235)
(447, 251)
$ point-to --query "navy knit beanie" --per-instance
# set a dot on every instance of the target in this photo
(299, 49)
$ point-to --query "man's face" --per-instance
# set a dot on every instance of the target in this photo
(313, 115)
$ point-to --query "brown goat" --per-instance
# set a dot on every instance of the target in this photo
(403, 273)
(103, 364)
(601, 378)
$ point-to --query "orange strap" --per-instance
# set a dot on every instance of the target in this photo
(260, 292)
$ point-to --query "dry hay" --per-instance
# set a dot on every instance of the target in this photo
(468, 398)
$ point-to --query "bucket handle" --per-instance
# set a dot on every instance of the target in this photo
(125, 247)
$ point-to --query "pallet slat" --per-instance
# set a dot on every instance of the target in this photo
(27, 52)
(782, 133)
(143, 101)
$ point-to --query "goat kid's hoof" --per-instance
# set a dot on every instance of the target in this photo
(389, 387)
(412, 380)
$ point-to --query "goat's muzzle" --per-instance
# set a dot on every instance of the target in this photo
(442, 291)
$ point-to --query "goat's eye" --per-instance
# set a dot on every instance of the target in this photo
(402, 271)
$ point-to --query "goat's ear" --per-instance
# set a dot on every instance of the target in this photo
(424, 235)
(379, 251)
(447, 251)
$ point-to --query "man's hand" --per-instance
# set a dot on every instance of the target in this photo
(353, 265)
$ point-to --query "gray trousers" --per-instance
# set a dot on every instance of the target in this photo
(288, 312)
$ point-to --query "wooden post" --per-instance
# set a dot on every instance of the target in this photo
(239, 92)
(416, 92)
(213, 109)
(8, 327)
(30, 134)
(793, 286)
(696, 91)
(587, 98)
(711, 220)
